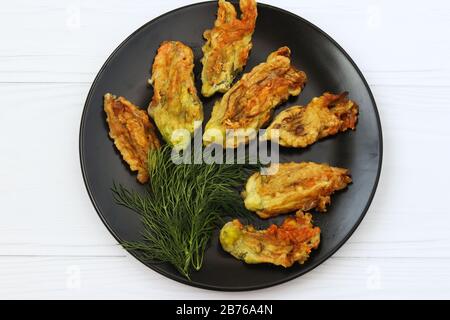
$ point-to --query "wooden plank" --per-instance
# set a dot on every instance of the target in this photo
(126, 278)
(69, 41)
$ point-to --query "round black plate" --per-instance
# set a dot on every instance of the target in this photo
(328, 68)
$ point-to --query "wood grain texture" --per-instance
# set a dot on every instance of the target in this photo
(53, 245)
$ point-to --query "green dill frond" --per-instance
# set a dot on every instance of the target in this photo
(183, 206)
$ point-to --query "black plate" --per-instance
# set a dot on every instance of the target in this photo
(328, 68)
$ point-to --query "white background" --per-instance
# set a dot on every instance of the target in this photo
(53, 245)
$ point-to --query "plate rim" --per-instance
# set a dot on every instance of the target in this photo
(179, 278)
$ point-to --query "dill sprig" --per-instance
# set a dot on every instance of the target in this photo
(181, 208)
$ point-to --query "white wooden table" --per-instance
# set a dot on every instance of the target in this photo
(52, 243)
